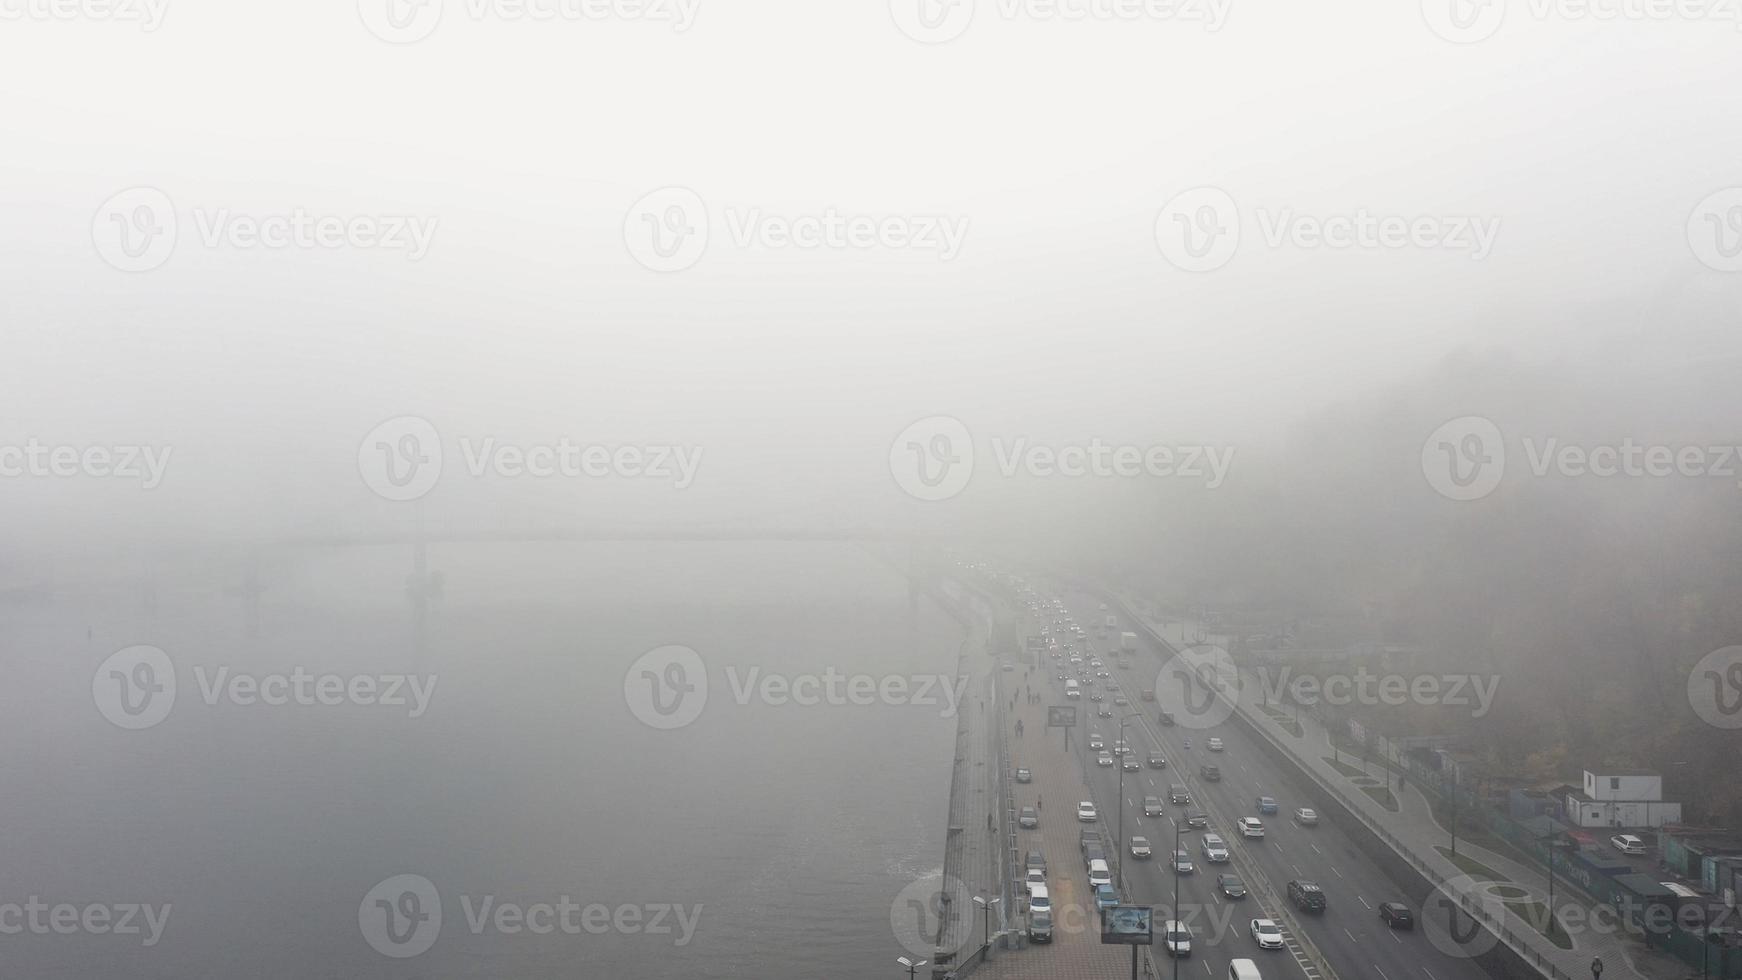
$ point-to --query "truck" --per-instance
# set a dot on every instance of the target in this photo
(1128, 642)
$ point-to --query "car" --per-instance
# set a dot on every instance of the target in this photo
(1039, 898)
(1156, 761)
(1131, 764)
(1397, 915)
(1036, 859)
(1140, 847)
(1152, 806)
(1096, 743)
(1103, 674)
(1166, 719)
(1104, 712)
(1076, 658)
(1266, 804)
(1177, 937)
(1628, 844)
(1178, 794)
(1039, 925)
(1024, 776)
(1197, 819)
(1120, 748)
(1092, 853)
(1097, 696)
(1231, 886)
(1036, 877)
(1124, 664)
(1211, 774)
(1104, 759)
(1087, 836)
(1008, 666)
(1105, 897)
(1306, 895)
(1214, 744)
(1250, 827)
(1028, 818)
(1099, 873)
(1215, 849)
(1086, 812)
(1182, 863)
(1096, 662)
(1121, 700)
(1060, 676)
(1148, 694)
(1306, 816)
(1267, 934)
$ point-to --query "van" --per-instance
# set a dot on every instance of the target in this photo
(1039, 899)
(1243, 970)
(1073, 689)
(1099, 874)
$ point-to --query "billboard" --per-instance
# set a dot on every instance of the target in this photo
(1129, 925)
(1061, 716)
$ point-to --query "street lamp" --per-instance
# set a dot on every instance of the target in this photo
(1119, 858)
(986, 918)
(912, 967)
(1552, 845)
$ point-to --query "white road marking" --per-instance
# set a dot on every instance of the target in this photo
(1363, 902)
(1380, 972)
(1335, 871)
(1430, 973)
(1351, 935)
(1315, 847)
(1393, 934)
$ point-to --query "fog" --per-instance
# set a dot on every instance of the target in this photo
(291, 295)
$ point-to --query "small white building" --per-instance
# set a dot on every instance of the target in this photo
(1622, 798)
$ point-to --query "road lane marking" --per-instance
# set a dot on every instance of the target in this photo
(1363, 902)
(1335, 871)
(1393, 934)
(1430, 973)
(1351, 935)
(1315, 847)
(1380, 972)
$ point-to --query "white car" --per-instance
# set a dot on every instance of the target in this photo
(1215, 849)
(1306, 816)
(1251, 827)
(1628, 844)
(1267, 934)
(1215, 744)
(1099, 874)
(1086, 812)
(1036, 877)
(1179, 938)
(1095, 742)
(1140, 847)
(1104, 760)
(1039, 899)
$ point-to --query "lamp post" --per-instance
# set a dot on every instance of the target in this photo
(912, 967)
(1552, 845)
(986, 918)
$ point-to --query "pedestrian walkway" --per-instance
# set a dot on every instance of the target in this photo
(1076, 952)
(1415, 833)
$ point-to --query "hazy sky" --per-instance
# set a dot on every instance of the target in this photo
(523, 147)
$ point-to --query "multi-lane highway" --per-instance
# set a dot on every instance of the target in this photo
(1349, 934)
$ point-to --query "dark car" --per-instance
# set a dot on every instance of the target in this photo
(1036, 860)
(1231, 886)
(1024, 776)
(1196, 819)
(1306, 895)
(1156, 761)
(1093, 853)
(1177, 793)
(1211, 774)
(1087, 836)
(1397, 915)
(1166, 718)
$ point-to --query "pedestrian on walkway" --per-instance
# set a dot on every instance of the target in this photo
(1037, 803)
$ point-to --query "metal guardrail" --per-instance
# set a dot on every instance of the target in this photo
(1499, 928)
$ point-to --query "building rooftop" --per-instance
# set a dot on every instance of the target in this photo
(1607, 771)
